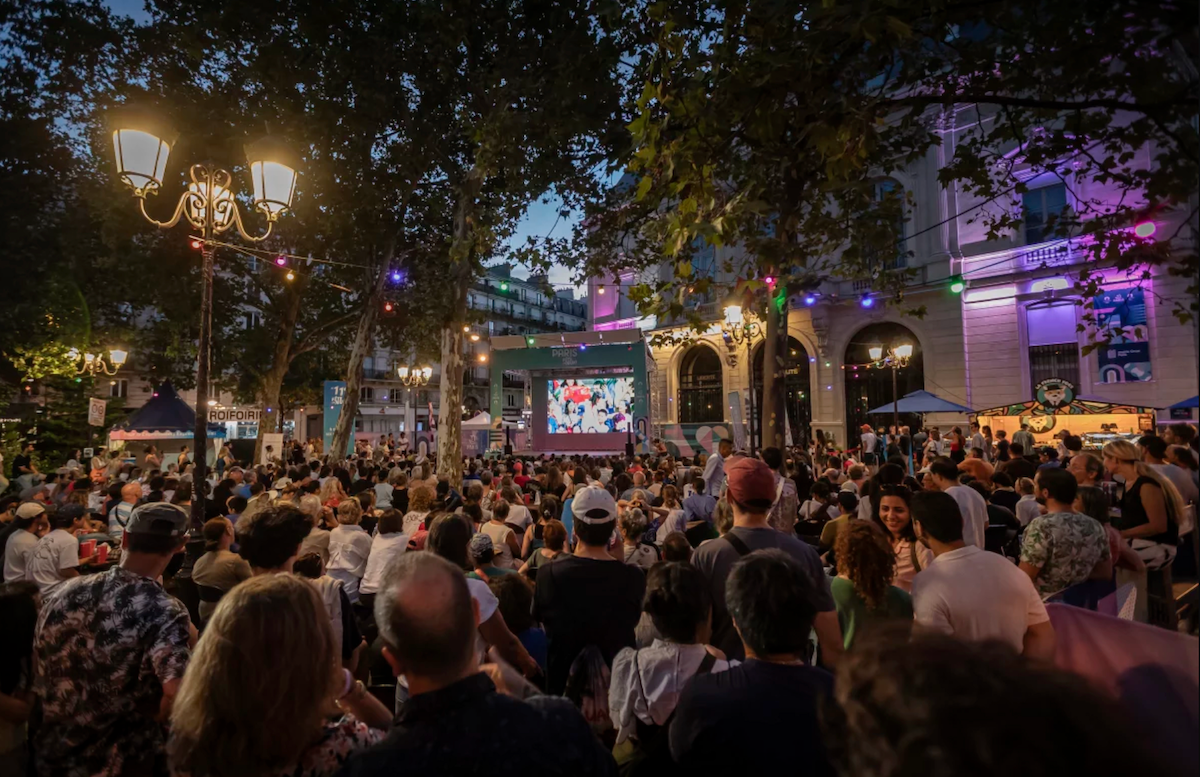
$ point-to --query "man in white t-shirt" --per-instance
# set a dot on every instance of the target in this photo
(970, 593)
(31, 525)
(943, 473)
(55, 558)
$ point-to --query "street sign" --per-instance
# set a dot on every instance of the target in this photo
(96, 409)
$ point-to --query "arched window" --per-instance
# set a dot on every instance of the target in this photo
(797, 399)
(700, 399)
(868, 388)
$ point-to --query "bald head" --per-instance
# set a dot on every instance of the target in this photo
(131, 492)
(427, 618)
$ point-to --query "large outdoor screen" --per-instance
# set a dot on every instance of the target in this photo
(589, 405)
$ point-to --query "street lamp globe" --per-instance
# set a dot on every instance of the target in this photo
(402, 371)
(733, 315)
(273, 175)
(142, 145)
(117, 356)
(427, 373)
(876, 352)
(904, 350)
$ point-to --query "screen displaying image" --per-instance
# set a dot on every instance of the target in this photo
(589, 405)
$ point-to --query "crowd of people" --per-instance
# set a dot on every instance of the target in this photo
(821, 611)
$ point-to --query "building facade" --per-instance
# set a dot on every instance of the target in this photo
(1014, 321)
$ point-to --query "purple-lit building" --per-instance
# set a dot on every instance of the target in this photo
(1010, 321)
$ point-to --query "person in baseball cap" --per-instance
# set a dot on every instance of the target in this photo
(157, 529)
(751, 492)
(750, 484)
(596, 509)
(589, 598)
(30, 510)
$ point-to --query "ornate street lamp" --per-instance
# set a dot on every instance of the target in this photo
(896, 358)
(737, 330)
(142, 144)
(96, 364)
(415, 376)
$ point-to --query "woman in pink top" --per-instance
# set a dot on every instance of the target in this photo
(895, 518)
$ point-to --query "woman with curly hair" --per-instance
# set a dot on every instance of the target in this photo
(332, 492)
(420, 502)
(862, 591)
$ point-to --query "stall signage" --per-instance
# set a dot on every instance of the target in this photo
(1055, 393)
(221, 415)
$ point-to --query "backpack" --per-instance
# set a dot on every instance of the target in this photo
(650, 753)
(587, 688)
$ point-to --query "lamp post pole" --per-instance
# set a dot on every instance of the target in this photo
(896, 399)
(753, 396)
(200, 435)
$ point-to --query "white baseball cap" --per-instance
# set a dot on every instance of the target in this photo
(594, 505)
(30, 510)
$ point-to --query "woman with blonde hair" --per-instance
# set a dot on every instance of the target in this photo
(1150, 507)
(420, 502)
(264, 692)
(862, 591)
(332, 492)
(349, 548)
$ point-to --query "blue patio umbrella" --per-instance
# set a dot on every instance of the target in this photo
(1193, 402)
(920, 402)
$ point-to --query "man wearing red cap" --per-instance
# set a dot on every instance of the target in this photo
(751, 492)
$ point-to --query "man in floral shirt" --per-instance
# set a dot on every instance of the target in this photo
(1062, 547)
(111, 649)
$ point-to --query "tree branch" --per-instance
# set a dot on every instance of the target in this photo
(313, 338)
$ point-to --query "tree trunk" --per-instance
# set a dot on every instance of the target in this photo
(272, 382)
(450, 391)
(774, 417)
(364, 339)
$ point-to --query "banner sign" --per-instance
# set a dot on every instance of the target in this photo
(335, 395)
(96, 409)
(226, 414)
(735, 418)
(1126, 358)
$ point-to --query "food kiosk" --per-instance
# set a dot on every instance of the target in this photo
(1056, 409)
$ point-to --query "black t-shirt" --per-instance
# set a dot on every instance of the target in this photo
(581, 602)
(1006, 498)
(755, 718)
(1019, 468)
(20, 460)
